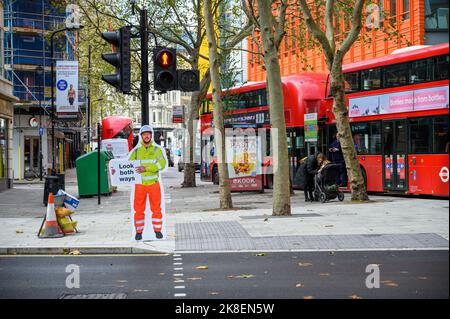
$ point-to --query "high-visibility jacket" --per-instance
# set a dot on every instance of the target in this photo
(153, 159)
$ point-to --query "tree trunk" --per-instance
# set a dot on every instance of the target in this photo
(189, 147)
(340, 111)
(219, 132)
(281, 185)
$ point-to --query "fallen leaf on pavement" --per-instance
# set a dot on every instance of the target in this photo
(308, 297)
(75, 252)
(201, 267)
(331, 253)
(260, 255)
(162, 274)
(195, 278)
(325, 274)
(329, 225)
(213, 293)
(266, 219)
(355, 297)
(304, 264)
(122, 281)
(140, 290)
(19, 231)
(299, 285)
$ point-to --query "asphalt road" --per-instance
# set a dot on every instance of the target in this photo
(293, 275)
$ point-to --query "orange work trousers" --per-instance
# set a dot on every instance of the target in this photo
(140, 201)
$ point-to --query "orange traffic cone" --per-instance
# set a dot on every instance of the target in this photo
(52, 229)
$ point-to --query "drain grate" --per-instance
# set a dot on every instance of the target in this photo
(94, 296)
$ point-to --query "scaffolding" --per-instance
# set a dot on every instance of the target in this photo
(28, 24)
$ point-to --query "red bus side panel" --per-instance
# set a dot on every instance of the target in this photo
(429, 174)
(373, 166)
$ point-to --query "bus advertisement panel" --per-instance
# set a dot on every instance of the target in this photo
(244, 163)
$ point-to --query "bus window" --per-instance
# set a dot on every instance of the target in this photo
(375, 138)
(419, 135)
(351, 82)
(440, 135)
(371, 79)
(441, 68)
(396, 75)
(419, 71)
(361, 133)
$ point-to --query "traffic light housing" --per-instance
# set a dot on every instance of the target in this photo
(164, 69)
(188, 80)
(120, 59)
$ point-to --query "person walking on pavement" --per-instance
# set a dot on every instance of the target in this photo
(337, 157)
(311, 169)
(153, 161)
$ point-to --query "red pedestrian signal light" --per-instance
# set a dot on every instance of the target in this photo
(165, 58)
(164, 69)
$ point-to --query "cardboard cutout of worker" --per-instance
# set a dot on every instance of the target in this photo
(147, 199)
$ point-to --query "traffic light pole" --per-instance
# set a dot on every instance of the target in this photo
(144, 68)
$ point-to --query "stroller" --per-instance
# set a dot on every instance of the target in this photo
(325, 184)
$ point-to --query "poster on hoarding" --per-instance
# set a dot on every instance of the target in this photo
(244, 158)
(67, 86)
(311, 127)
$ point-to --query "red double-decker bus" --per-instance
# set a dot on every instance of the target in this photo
(118, 127)
(398, 109)
(246, 107)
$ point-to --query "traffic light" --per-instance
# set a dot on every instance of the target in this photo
(188, 80)
(120, 39)
(164, 69)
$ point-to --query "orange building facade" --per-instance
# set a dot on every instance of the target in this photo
(414, 22)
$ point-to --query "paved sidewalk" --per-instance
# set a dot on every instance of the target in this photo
(193, 223)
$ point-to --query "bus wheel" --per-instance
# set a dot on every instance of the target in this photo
(269, 181)
(215, 176)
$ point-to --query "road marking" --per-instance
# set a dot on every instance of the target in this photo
(178, 275)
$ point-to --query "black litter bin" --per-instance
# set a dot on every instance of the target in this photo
(51, 186)
(61, 181)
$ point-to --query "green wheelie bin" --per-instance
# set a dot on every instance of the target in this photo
(87, 173)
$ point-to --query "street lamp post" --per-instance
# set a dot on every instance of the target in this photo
(53, 86)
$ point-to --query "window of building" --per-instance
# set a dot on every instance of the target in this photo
(393, 7)
(405, 9)
(419, 135)
(396, 75)
(440, 135)
(436, 15)
(371, 79)
(352, 82)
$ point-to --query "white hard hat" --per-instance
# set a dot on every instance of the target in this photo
(146, 128)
